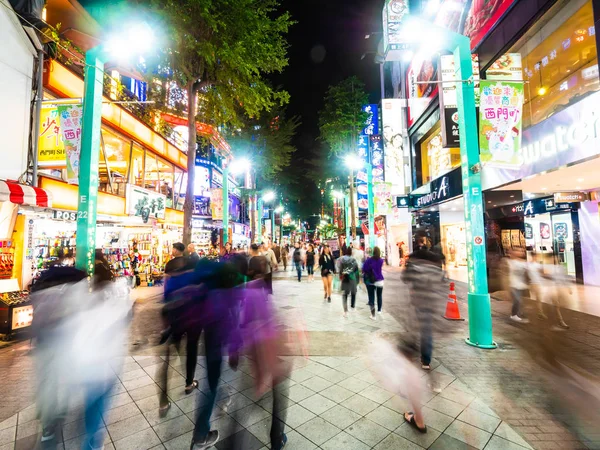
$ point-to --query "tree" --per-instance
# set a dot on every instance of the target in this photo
(342, 118)
(340, 123)
(212, 64)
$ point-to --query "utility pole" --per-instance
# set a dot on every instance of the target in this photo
(352, 206)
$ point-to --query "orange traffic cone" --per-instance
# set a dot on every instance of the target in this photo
(452, 312)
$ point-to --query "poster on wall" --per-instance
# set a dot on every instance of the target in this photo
(377, 158)
(500, 122)
(482, 17)
(545, 232)
(70, 126)
(515, 239)
(393, 13)
(561, 231)
(448, 99)
(382, 197)
(144, 203)
(506, 240)
(528, 231)
(392, 113)
(51, 149)
(506, 68)
(216, 203)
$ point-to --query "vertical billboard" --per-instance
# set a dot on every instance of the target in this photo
(392, 118)
(371, 128)
(394, 12)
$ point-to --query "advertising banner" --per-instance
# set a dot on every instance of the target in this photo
(448, 100)
(483, 16)
(146, 204)
(51, 149)
(508, 67)
(372, 122)
(500, 122)
(382, 194)
(377, 158)
(392, 117)
(216, 203)
(393, 13)
(70, 127)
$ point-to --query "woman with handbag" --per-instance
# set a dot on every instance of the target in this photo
(373, 276)
(327, 270)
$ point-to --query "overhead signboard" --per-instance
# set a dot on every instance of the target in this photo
(144, 203)
(570, 197)
(394, 11)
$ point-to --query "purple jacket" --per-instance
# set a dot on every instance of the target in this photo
(373, 268)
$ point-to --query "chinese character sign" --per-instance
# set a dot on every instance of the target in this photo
(372, 122)
(377, 158)
(51, 150)
(216, 203)
(70, 125)
(500, 122)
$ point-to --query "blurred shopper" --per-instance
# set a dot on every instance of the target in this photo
(80, 335)
(349, 275)
(271, 265)
(297, 258)
(285, 253)
(373, 276)
(303, 256)
(310, 262)
(178, 262)
(227, 251)
(277, 251)
(193, 256)
(424, 275)
(519, 284)
(257, 264)
(102, 270)
(327, 264)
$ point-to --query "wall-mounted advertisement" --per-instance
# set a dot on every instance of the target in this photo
(216, 203)
(392, 116)
(146, 204)
(500, 122)
(448, 99)
(377, 158)
(372, 122)
(508, 67)
(422, 70)
(70, 126)
(483, 16)
(394, 11)
(382, 196)
(51, 148)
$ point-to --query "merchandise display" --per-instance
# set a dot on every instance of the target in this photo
(7, 259)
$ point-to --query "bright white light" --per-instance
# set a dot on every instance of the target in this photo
(268, 196)
(136, 39)
(432, 7)
(279, 209)
(408, 56)
(239, 165)
(337, 194)
(353, 162)
(287, 216)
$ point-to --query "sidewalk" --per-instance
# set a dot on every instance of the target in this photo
(335, 400)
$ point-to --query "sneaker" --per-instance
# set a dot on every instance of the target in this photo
(345, 315)
(352, 309)
(328, 299)
(284, 440)
(564, 326)
(379, 312)
(372, 317)
(518, 319)
(211, 439)
(48, 434)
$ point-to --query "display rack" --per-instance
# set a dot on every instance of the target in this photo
(7, 259)
(16, 313)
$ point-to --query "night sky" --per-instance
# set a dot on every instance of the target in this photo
(326, 45)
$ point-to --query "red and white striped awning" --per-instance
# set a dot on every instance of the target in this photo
(22, 194)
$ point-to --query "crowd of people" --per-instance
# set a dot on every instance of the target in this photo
(80, 325)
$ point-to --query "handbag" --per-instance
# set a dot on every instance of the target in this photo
(336, 284)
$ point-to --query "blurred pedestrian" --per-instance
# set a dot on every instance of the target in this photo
(373, 276)
(178, 262)
(310, 262)
(327, 271)
(277, 251)
(519, 284)
(102, 270)
(349, 275)
(271, 265)
(193, 256)
(297, 259)
(257, 264)
(284, 256)
(227, 251)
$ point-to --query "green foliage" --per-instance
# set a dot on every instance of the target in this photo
(342, 117)
(329, 231)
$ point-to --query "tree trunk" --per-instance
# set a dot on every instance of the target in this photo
(188, 206)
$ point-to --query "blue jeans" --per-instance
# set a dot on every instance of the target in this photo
(299, 270)
(371, 290)
(96, 403)
(426, 339)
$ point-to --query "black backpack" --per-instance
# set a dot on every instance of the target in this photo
(297, 255)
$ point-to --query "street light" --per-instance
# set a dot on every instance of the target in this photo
(355, 163)
(235, 167)
(480, 317)
(136, 39)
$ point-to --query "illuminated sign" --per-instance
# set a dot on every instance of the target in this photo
(441, 193)
(568, 197)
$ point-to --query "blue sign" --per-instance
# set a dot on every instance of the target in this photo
(372, 122)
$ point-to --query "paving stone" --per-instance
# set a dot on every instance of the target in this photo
(445, 406)
(8, 435)
(262, 430)
(376, 394)
(141, 440)
(143, 392)
(479, 420)
(396, 442)
(250, 415)
(298, 442)
(423, 439)
(318, 430)
(506, 432)
(8, 423)
(172, 428)
(360, 404)
(317, 404)
(296, 415)
(126, 427)
(354, 385)
(335, 376)
(436, 420)
(457, 396)
(337, 393)
(298, 393)
(344, 441)
(317, 384)
(367, 431)
(468, 434)
(445, 442)
(497, 443)
(385, 417)
(120, 413)
(242, 439)
(153, 416)
(28, 429)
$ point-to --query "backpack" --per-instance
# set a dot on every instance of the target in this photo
(297, 255)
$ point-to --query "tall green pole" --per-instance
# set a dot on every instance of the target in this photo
(371, 199)
(347, 215)
(480, 315)
(88, 160)
(260, 217)
(272, 225)
(225, 206)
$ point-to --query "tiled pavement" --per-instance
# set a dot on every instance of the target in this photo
(335, 400)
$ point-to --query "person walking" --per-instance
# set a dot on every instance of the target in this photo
(349, 274)
(327, 271)
(310, 262)
(277, 250)
(193, 256)
(373, 276)
(303, 256)
(297, 258)
(519, 284)
(178, 262)
(284, 256)
(271, 265)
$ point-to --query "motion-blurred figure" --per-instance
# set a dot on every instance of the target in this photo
(349, 275)
(518, 281)
(79, 334)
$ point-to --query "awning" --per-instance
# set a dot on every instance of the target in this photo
(22, 194)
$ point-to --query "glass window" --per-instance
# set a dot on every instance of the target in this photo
(559, 58)
(166, 180)
(436, 160)
(137, 166)
(179, 190)
(151, 175)
(116, 151)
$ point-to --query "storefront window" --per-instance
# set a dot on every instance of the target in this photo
(166, 180)
(559, 60)
(116, 152)
(179, 189)
(137, 166)
(436, 160)
(151, 175)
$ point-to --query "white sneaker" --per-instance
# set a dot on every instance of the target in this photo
(518, 319)
(345, 315)
(379, 312)
(352, 309)
(372, 317)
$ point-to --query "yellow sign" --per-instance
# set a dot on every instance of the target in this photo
(51, 148)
